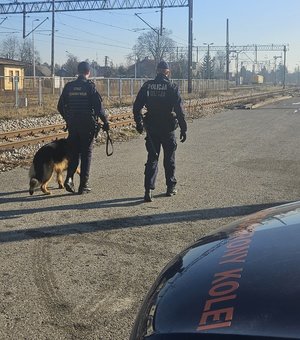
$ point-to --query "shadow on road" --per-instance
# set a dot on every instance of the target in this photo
(40, 196)
(119, 223)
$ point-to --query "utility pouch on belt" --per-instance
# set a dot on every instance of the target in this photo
(173, 121)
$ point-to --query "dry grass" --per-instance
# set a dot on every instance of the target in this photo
(9, 111)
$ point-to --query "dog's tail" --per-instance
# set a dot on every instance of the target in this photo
(34, 182)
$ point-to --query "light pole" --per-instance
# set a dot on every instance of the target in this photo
(208, 60)
(237, 81)
(33, 52)
(135, 66)
(275, 59)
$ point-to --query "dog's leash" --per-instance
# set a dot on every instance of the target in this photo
(109, 141)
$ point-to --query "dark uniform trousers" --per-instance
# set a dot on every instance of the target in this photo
(168, 143)
(81, 136)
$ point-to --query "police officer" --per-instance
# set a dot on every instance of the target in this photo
(80, 104)
(163, 103)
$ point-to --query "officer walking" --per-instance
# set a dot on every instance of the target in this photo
(80, 104)
(163, 103)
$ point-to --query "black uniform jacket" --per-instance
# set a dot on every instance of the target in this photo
(162, 100)
(81, 98)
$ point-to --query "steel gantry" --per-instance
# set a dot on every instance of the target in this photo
(87, 5)
(240, 48)
(54, 6)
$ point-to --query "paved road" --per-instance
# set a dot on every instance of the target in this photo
(77, 267)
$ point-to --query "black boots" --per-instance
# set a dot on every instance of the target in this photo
(171, 190)
(148, 196)
(84, 187)
(69, 185)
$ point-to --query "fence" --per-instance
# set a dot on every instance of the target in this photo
(41, 91)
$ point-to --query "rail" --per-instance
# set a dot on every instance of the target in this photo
(31, 136)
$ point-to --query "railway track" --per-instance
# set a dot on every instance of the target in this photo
(19, 138)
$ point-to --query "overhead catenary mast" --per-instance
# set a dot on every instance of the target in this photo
(89, 5)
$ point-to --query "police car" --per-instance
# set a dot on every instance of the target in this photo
(241, 282)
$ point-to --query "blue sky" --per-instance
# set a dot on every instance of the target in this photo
(95, 34)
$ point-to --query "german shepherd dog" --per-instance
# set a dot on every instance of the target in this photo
(49, 158)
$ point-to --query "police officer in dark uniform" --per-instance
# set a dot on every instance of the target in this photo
(163, 103)
(80, 104)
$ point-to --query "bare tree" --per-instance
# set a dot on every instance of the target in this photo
(26, 52)
(155, 46)
(71, 65)
(10, 48)
(26, 56)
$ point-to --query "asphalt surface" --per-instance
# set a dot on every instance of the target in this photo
(78, 267)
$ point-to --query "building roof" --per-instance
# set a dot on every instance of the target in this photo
(143, 68)
(5, 61)
(43, 70)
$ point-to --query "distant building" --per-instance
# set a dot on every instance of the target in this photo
(145, 68)
(42, 71)
(102, 71)
(8, 70)
(63, 73)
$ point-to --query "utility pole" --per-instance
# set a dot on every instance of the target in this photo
(33, 51)
(33, 47)
(275, 60)
(284, 65)
(227, 53)
(255, 60)
(161, 16)
(237, 80)
(190, 47)
(52, 44)
(208, 64)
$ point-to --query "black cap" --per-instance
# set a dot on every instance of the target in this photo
(163, 65)
(83, 67)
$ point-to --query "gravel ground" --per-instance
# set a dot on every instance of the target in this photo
(78, 267)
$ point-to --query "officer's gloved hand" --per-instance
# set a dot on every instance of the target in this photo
(182, 136)
(139, 128)
(105, 126)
